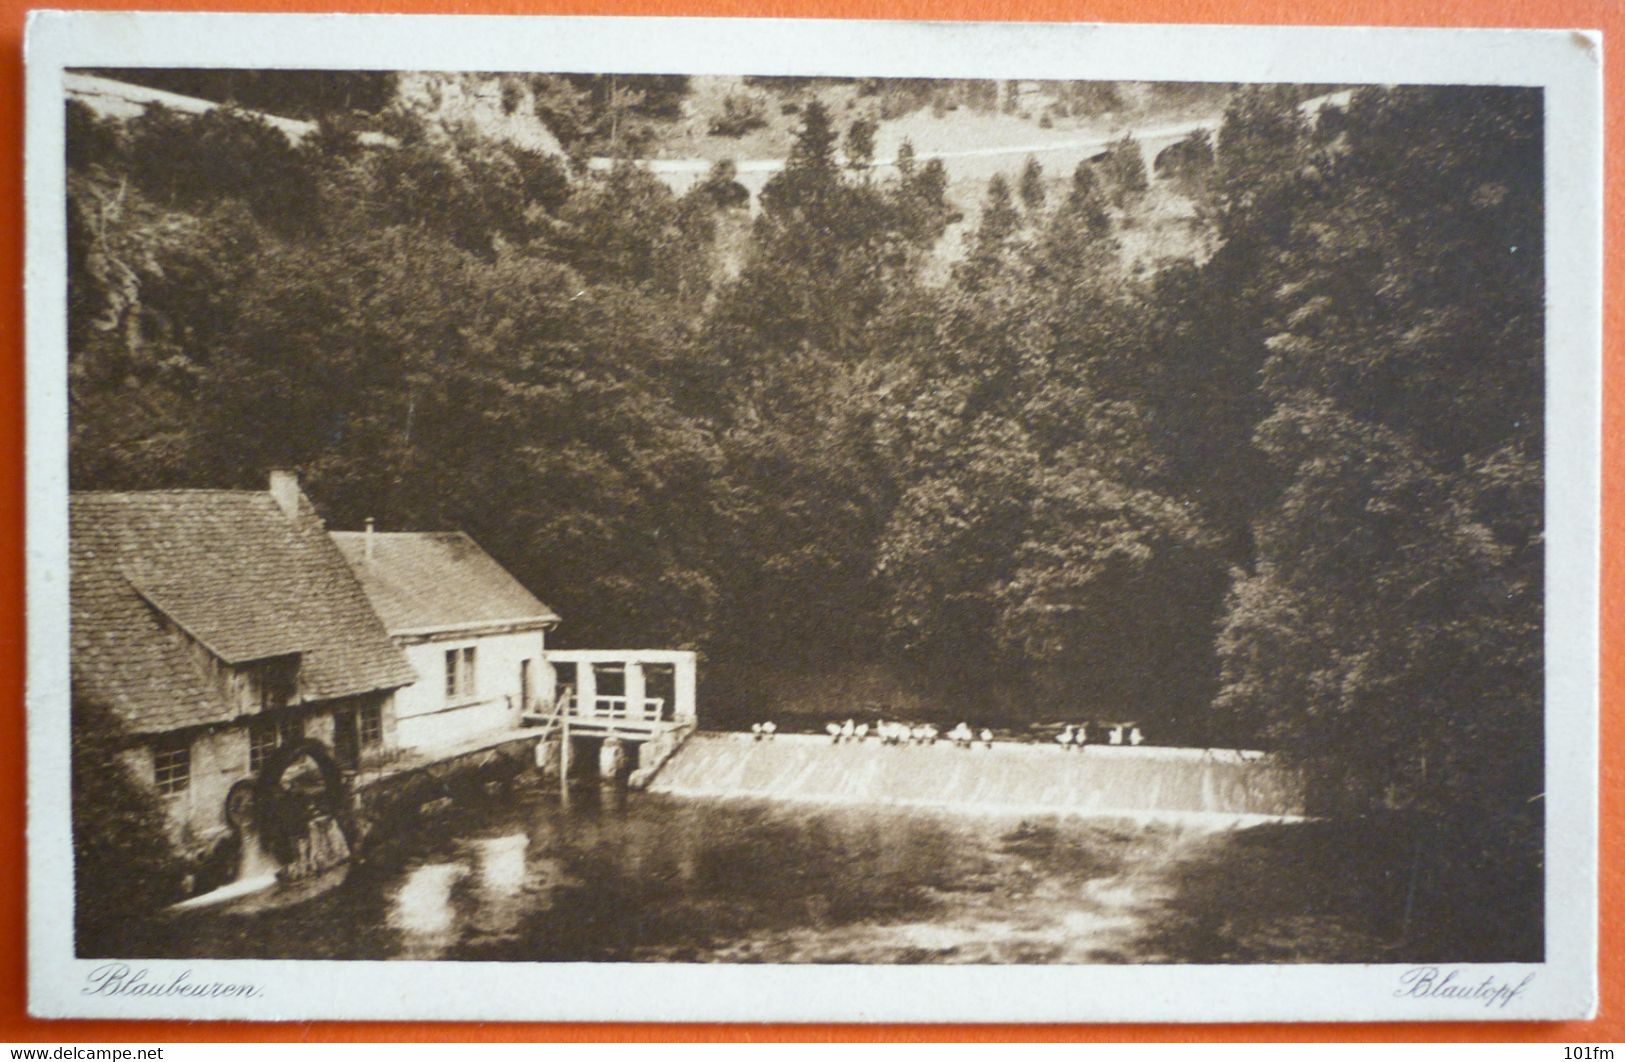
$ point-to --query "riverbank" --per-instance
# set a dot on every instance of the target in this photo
(1380, 888)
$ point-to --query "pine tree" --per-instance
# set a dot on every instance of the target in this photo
(860, 143)
(1032, 185)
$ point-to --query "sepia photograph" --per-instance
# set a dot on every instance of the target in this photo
(772, 519)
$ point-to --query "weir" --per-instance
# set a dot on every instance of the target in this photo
(1214, 787)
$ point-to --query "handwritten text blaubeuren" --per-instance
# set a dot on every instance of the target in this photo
(1430, 982)
(122, 979)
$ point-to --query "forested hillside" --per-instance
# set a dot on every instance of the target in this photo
(1288, 494)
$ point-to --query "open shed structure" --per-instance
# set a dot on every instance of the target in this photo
(642, 697)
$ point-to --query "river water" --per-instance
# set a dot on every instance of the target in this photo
(652, 877)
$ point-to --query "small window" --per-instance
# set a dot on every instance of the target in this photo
(172, 764)
(290, 728)
(265, 677)
(272, 684)
(372, 726)
(263, 740)
(345, 747)
(268, 735)
(459, 673)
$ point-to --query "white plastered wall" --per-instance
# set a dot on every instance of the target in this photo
(426, 720)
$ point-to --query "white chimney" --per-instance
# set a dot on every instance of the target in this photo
(285, 491)
(366, 551)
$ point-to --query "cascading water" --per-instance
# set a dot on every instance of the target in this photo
(1199, 786)
(254, 862)
(322, 848)
(283, 836)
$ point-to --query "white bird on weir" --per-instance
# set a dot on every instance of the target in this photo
(862, 731)
(1081, 738)
(1116, 735)
(848, 729)
(1065, 738)
(987, 737)
(756, 731)
(834, 731)
(1134, 736)
(769, 729)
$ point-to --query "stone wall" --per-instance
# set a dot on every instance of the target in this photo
(219, 760)
(401, 799)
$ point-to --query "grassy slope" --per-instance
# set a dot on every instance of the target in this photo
(1162, 224)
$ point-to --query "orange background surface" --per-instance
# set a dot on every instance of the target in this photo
(1608, 16)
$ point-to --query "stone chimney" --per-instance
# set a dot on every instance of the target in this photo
(285, 491)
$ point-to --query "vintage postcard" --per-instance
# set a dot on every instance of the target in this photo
(743, 520)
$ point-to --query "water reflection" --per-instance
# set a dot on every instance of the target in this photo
(422, 910)
(500, 874)
(500, 863)
(673, 879)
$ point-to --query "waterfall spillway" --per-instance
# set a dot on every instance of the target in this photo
(256, 871)
(1219, 786)
(253, 861)
(321, 848)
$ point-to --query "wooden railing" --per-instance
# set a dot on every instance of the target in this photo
(608, 706)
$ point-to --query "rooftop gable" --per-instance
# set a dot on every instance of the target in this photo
(421, 582)
(235, 573)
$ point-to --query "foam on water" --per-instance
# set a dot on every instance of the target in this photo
(319, 852)
(1196, 787)
(234, 890)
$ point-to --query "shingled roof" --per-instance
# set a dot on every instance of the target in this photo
(234, 572)
(428, 581)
